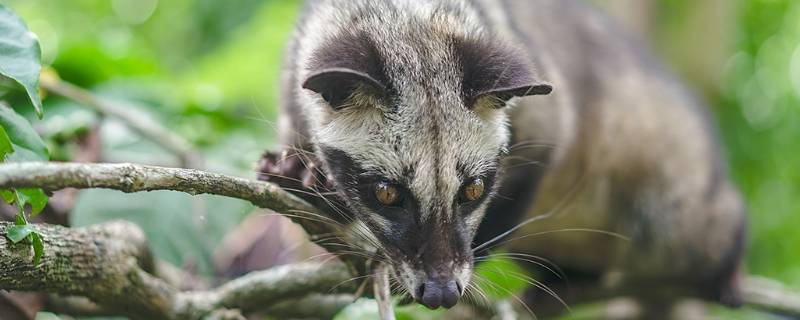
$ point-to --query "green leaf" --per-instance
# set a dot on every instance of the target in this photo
(18, 233)
(35, 197)
(5, 144)
(20, 55)
(363, 309)
(503, 277)
(38, 247)
(20, 219)
(8, 196)
(27, 144)
(17, 135)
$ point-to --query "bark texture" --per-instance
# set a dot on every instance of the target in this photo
(111, 265)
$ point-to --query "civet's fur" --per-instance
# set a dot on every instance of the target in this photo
(415, 91)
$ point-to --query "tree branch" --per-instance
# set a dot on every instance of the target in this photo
(129, 178)
(323, 306)
(771, 296)
(103, 262)
(106, 263)
(258, 290)
(315, 305)
(137, 178)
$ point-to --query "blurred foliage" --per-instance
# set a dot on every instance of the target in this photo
(760, 120)
(209, 70)
(759, 113)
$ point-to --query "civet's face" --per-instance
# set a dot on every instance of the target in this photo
(411, 129)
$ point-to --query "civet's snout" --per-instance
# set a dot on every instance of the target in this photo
(437, 292)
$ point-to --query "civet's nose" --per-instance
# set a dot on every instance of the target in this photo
(437, 293)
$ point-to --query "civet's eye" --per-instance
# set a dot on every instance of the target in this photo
(473, 190)
(387, 193)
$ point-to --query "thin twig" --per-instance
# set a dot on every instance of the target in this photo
(132, 117)
(129, 178)
(771, 296)
(383, 294)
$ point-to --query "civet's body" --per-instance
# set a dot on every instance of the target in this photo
(443, 124)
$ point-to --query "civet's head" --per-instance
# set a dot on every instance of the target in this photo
(406, 107)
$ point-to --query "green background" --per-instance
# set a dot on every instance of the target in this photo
(208, 69)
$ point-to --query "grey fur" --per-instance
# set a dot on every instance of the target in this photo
(619, 146)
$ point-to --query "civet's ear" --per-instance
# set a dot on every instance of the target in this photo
(499, 72)
(336, 85)
(344, 64)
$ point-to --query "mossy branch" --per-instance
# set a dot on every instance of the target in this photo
(111, 265)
